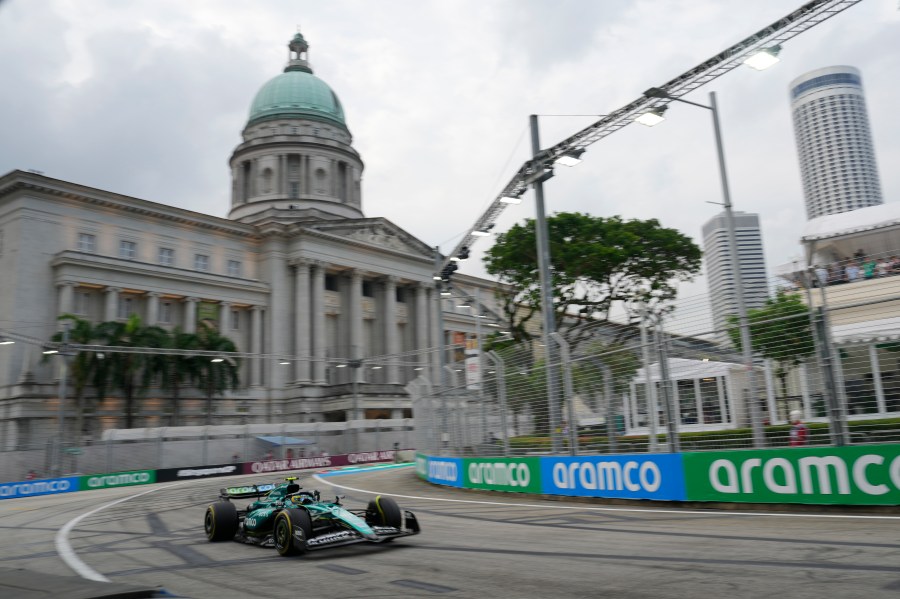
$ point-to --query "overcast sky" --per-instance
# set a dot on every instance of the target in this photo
(148, 99)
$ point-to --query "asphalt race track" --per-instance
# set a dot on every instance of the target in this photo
(472, 546)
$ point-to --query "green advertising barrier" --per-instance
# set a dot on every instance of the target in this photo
(117, 479)
(519, 475)
(857, 475)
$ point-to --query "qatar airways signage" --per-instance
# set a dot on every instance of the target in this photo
(350, 459)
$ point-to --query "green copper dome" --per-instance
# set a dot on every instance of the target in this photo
(296, 93)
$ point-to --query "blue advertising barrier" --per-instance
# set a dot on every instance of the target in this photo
(659, 476)
(46, 486)
(441, 471)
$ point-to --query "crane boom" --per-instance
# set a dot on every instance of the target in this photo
(791, 25)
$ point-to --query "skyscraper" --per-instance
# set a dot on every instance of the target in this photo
(834, 144)
(719, 272)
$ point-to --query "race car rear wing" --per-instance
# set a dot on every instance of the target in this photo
(245, 491)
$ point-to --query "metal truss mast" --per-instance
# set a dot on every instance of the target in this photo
(791, 25)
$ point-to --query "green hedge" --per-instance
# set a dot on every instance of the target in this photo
(861, 431)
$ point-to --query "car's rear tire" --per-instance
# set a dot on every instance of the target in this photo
(384, 511)
(291, 530)
(221, 521)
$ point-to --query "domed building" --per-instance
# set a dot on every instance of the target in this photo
(333, 312)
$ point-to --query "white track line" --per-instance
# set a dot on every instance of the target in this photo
(605, 509)
(64, 548)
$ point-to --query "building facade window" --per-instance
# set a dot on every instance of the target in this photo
(166, 257)
(125, 307)
(82, 305)
(234, 268)
(201, 262)
(235, 320)
(87, 243)
(165, 313)
(127, 250)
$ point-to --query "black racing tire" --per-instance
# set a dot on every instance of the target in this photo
(384, 511)
(289, 525)
(221, 521)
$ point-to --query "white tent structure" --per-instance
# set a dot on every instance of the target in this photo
(706, 395)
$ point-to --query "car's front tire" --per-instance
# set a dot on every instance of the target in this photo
(384, 511)
(291, 530)
(221, 521)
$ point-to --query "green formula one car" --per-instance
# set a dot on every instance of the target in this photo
(295, 521)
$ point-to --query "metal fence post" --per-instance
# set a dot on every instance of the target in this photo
(566, 359)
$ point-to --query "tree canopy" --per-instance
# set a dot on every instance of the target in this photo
(595, 261)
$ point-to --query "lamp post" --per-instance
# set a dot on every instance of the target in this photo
(548, 317)
(65, 354)
(746, 348)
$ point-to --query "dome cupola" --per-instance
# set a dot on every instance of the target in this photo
(297, 154)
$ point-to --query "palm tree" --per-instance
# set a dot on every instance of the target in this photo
(129, 372)
(178, 370)
(216, 376)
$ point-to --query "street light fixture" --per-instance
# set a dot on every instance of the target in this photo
(570, 157)
(652, 117)
(746, 347)
(765, 58)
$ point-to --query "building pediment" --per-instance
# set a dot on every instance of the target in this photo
(376, 232)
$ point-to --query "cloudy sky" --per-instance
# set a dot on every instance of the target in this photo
(148, 98)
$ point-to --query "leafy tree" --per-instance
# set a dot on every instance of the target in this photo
(780, 331)
(215, 377)
(129, 372)
(595, 261)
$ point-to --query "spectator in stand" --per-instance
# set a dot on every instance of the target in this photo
(269, 456)
(31, 475)
(883, 268)
(835, 274)
(868, 268)
(895, 265)
(851, 271)
(859, 255)
(799, 430)
(821, 276)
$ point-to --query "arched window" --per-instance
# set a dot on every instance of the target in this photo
(267, 177)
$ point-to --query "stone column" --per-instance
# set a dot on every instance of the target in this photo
(190, 314)
(282, 175)
(238, 184)
(391, 336)
(422, 326)
(225, 318)
(302, 327)
(354, 316)
(112, 302)
(255, 344)
(66, 295)
(318, 323)
(152, 308)
(437, 337)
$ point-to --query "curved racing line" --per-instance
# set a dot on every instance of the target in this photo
(68, 555)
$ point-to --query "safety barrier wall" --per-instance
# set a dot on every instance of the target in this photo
(70, 484)
(856, 475)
